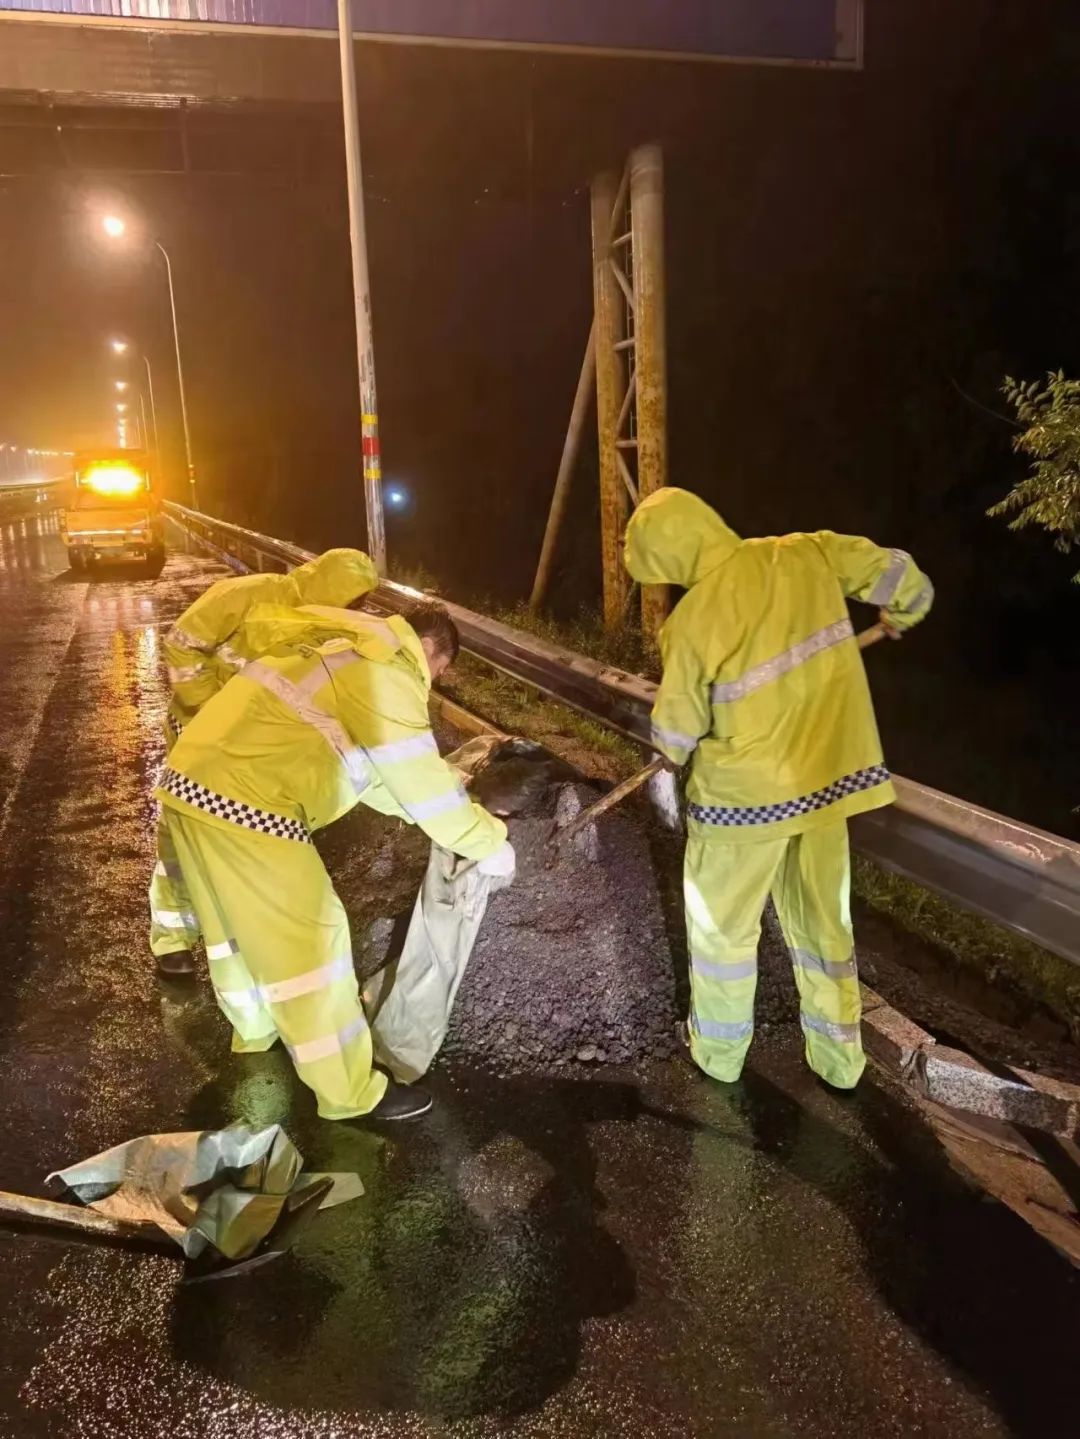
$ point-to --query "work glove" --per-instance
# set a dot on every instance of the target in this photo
(501, 864)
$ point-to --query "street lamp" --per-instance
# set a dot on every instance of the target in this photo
(115, 228)
(120, 347)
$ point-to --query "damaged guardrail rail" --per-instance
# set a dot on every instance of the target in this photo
(1019, 877)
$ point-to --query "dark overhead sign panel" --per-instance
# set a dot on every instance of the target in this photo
(809, 32)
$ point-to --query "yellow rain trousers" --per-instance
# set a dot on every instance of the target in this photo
(765, 695)
(280, 956)
(206, 646)
(335, 713)
(726, 886)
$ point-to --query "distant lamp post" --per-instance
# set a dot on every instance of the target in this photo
(115, 228)
(120, 347)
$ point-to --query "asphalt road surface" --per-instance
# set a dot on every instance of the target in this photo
(635, 1254)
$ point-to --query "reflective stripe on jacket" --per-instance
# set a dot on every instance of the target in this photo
(764, 687)
(205, 647)
(305, 732)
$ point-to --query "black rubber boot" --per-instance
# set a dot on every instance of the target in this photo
(401, 1101)
(176, 965)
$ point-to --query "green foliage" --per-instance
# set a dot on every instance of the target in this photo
(1050, 496)
(417, 576)
(584, 633)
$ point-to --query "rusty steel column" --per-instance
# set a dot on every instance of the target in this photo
(610, 330)
(650, 299)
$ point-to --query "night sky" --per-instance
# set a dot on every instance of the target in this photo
(855, 261)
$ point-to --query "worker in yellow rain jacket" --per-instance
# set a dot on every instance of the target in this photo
(203, 650)
(764, 691)
(288, 746)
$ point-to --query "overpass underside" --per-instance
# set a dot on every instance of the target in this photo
(123, 64)
(113, 99)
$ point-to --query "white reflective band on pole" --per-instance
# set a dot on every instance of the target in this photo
(764, 674)
(304, 708)
(328, 1044)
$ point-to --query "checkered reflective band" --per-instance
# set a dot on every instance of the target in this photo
(175, 725)
(233, 810)
(791, 808)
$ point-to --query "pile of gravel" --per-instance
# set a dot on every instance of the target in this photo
(572, 964)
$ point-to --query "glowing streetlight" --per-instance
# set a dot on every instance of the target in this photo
(120, 347)
(115, 228)
(120, 409)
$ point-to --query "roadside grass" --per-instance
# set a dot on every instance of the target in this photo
(1003, 959)
(520, 709)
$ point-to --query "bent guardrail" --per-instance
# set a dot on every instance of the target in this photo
(1019, 877)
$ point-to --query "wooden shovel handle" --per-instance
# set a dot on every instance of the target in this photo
(611, 799)
(71, 1216)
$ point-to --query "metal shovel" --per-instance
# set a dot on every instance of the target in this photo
(657, 766)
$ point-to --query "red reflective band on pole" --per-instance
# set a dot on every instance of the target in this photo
(371, 448)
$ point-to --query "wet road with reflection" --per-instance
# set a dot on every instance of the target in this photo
(640, 1254)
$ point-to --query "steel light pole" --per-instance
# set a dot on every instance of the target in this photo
(179, 374)
(153, 409)
(115, 228)
(121, 347)
(365, 345)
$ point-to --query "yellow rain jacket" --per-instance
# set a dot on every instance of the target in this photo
(764, 686)
(334, 712)
(204, 648)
